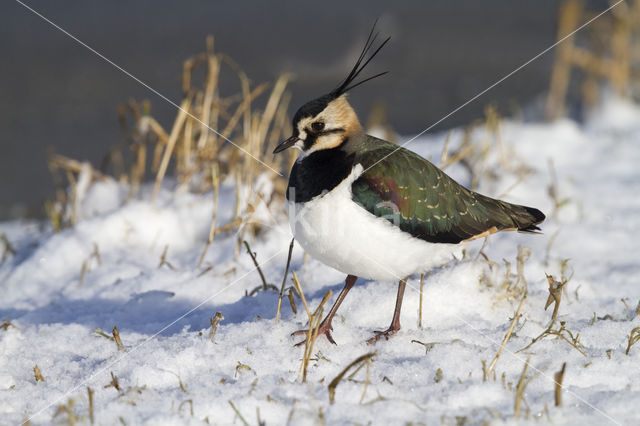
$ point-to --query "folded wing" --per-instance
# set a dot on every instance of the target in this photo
(423, 201)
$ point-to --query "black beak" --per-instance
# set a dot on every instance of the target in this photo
(285, 144)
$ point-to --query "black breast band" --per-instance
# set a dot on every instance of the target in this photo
(319, 172)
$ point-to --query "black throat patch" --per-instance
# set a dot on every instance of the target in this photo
(319, 172)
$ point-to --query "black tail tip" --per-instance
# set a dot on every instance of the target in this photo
(538, 216)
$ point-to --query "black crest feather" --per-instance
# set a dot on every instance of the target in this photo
(316, 106)
(348, 83)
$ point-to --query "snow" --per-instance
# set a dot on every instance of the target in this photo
(171, 372)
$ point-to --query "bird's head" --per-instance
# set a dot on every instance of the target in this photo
(322, 123)
(326, 122)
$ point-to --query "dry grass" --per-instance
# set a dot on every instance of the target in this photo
(99, 332)
(163, 258)
(558, 378)
(5, 324)
(90, 393)
(7, 248)
(634, 337)
(508, 285)
(86, 265)
(240, 367)
(215, 321)
(554, 192)
(114, 383)
(180, 383)
(516, 316)
(315, 319)
(215, 137)
(188, 402)
(556, 289)
(563, 333)
(38, 374)
(427, 346)
(215, 180)
(68, 409)
(292, 301)
(296, 282)
(555, 295)
(420, 301)
(523, 381)
(265, 286)
(601, 55)
(284, 280)
(242, 419)
(116, 337)
(361, 360)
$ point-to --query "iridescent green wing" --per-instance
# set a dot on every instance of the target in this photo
(423, 201)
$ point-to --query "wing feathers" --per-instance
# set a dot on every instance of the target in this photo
(431, 205)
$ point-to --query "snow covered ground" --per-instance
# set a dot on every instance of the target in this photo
(171, 372)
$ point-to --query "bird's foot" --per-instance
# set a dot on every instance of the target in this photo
(324, 328)
(380, 334)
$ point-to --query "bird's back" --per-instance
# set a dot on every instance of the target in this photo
(421, 199)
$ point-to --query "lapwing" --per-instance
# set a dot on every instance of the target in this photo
(372, 209)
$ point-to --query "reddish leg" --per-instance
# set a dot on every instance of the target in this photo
(395, 322)
(325, 326)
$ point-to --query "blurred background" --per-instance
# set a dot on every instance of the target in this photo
(57, 96)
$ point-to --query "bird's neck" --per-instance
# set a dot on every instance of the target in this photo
(319, 172)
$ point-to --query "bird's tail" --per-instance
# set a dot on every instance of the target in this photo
(507, 216)
(526, 218)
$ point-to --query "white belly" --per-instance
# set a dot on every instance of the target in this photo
(335, 230)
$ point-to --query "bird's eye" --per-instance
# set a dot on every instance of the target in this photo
(317, 126)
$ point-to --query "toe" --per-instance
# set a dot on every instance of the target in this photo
(330, 339)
